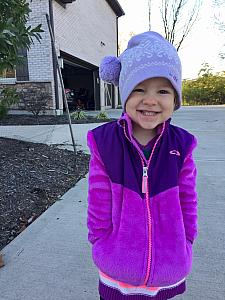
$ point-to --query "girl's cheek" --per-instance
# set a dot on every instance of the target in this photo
(125, 106)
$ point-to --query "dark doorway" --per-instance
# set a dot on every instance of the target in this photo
(79, 81)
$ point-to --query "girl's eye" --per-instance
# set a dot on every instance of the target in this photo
(138, 90)
(164, 92)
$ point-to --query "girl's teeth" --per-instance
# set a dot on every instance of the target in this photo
(148, 113)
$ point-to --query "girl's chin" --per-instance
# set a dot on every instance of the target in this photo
(148, 122)
(146, 125)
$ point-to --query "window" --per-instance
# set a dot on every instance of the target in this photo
(8, 73)
(8, 76)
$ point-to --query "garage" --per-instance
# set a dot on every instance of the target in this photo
(81, 82)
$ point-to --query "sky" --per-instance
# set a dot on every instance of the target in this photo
(203, 44)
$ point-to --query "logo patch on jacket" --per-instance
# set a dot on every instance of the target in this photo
(175, 152)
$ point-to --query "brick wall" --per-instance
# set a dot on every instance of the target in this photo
(40, 54)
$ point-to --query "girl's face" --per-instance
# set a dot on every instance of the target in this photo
(150, 103)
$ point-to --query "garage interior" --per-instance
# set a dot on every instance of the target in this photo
(82, 84)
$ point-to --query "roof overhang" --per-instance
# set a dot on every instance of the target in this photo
(116, 7)
(67, 1)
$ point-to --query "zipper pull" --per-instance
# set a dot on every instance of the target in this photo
(145, 180)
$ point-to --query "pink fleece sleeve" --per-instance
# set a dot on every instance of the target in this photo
(188, 196)
(99, 215)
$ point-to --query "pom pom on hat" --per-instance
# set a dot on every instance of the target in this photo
(109, 70)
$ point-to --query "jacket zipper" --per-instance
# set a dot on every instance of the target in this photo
(145, 190)
(149, 234)
(144, 179)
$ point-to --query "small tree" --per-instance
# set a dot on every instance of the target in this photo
(35, 101)
(14, 32)
(206, 70)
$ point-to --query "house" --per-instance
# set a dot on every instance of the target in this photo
(84, 31)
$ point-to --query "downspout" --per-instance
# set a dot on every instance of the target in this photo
(53, 58)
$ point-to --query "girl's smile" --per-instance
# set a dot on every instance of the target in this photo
(150, 104)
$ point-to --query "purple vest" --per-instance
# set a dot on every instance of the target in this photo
(123, 163)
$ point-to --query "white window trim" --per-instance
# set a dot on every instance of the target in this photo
(5, 80)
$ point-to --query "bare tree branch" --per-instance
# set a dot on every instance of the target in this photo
(176, 12)
(219, 21)
(149, 13)
(175, 20)
(164, 10)
(189, 24)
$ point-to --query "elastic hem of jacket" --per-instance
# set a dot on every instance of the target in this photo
(109, 293)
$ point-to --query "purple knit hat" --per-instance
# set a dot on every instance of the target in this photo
(148, 55)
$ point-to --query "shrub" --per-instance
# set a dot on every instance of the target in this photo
(103, 116)
(8, 97)
(35, 101)
(204, 90)
(78, 115)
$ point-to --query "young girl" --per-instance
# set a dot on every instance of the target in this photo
(142, 202)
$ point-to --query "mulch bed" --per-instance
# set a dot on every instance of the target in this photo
(33, 176)
(46, 120)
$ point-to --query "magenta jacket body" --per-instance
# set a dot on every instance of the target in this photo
(142, 215)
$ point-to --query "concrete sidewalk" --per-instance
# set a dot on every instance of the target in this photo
(50, 134)
(51, 259)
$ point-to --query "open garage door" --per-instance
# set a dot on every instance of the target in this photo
(82, 80)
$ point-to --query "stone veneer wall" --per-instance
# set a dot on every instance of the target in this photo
(28, 85)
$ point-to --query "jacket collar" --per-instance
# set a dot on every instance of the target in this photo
(125, 119)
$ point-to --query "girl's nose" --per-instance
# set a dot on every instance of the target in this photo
(149, 99)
